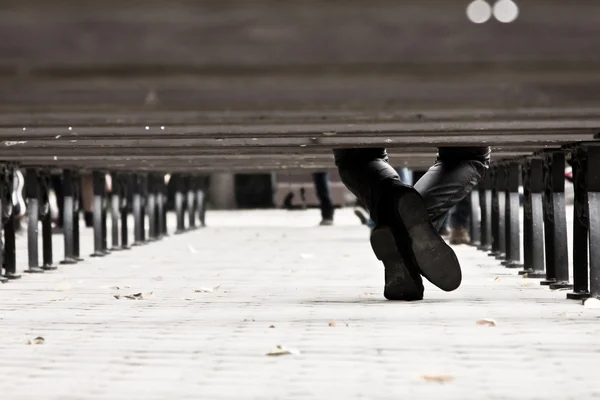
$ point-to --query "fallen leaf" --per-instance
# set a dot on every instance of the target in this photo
(307, 256)
(134, 296)
(125, 287)
(61, 287)
(61, 299)
(272, 326)
(438, 378)
(497, 278)
(525, 284)
(157, 278)
(114, 288)
(206, 290)
(591, 303)
(486, 322)
(331, 323)
(188, 298)
(192, 249)
(282, 351)
(37, 340)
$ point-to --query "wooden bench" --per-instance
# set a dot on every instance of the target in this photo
(140, 89)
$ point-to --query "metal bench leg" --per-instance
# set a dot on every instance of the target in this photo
(495, 245)
(98, 183)
(475, 218)
(201, 205)
(191, 201)
(115, 203)
(68, 216)
(33, 212)
(179, 188)
(143, 205)
(513, 212)
(164, 195)
(555, 222)
(501, 187)
(593, 196)
(485, 205)
(160, 206)
(151, 208)
(46, 216)
(104, 216)
(137, 211)
(76, 215)
(533, 221)
(580, 225)
(125, 184)
(5, 213)
(9, 261)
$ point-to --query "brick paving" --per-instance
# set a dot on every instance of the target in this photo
(320, 289)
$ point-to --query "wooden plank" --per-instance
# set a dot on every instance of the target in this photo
(214, 35)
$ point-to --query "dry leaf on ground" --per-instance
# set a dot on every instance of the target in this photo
(188, 298)
(282, 351)
(157, 278)
(37, 340)
(272, 326)
(114, 288)
(486, 322)
(497, 278)
(134, 296)
(61, 299)
(438, 378)
(332, 323)
(206, 290)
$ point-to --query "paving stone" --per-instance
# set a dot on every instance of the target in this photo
(277, 268)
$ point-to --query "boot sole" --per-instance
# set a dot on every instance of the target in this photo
(399, 285)
(433, 256)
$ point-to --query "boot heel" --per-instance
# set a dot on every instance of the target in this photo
(399, 285)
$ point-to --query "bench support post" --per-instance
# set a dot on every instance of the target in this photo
(500, 236)
(555, 221)
(138, 217)
(475, 218)
(68, 218)
(179, 203)
(513, 223)
(533, 219)
(46, 216)
(581, 234)
(99, 183)
(32, 193)
(191, 201)
(485, 204)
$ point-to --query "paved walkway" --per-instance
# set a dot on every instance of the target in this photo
(274, 278)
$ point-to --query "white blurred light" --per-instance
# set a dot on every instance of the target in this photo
(506, 11)
(479, 11)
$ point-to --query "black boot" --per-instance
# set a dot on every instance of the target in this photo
(403, 216)
(366, 173)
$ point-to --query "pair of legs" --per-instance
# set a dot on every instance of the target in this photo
(321, 181)
(407, 219)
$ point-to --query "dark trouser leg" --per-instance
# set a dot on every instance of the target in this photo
(453, 176)
(321, 181)
(459, 217)
(397, 207)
